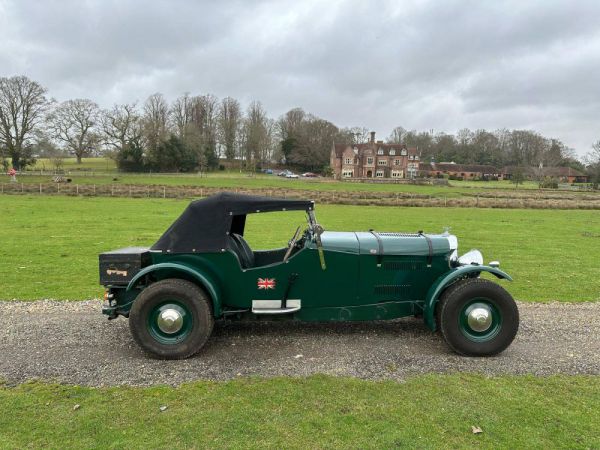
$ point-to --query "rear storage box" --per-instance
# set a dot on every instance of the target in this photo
(120, 266)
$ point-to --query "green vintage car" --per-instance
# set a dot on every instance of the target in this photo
(202, 269)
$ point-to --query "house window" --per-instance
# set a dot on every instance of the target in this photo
(403, 152)
(370, 160)
(396, 162)
(382, 162)
(348, 161)
(411, 157)
(416, 157)
(379, 174)
(347, 173)
(380, 151)
(392, 152)
(396, 174)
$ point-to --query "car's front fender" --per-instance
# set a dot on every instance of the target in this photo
(446, 280)
(175, 270)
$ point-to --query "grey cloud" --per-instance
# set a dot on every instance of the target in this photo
(420, 64)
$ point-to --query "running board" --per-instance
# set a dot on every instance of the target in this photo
(274, 306)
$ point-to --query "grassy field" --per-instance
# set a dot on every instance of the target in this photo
(435, 411)
(101, 171)
(258, 181)
(50, 247)
(50, 244)
(70, 164)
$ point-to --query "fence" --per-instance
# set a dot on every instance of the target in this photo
(526, 200)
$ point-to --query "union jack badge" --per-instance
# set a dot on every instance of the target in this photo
(266, 283)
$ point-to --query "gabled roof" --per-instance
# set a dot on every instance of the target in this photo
(339, 149)
(374, 146)
(447, 167)
(561, 172)
(545, 171)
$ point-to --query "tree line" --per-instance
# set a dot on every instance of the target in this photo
(195, 132)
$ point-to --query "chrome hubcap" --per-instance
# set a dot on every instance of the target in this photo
(170, 321)
(480, 318)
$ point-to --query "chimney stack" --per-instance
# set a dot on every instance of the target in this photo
(372, 137)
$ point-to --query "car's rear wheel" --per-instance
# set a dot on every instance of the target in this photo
(171, 319)
(477, 317)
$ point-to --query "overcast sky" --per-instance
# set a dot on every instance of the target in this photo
(440, 65)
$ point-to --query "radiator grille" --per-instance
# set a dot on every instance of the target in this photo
(388, 234)
(404, 265)
(398, 290)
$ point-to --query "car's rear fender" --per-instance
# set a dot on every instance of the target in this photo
(446, 280)
(177, 270)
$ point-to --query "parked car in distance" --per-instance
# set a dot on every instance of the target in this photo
(267, 171)
(284, 173)
(202, 269)
(309, 175)
(292, 175)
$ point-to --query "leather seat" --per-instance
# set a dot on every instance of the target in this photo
(242, 250)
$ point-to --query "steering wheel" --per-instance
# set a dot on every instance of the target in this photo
(292, 244)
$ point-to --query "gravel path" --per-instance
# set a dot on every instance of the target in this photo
(72, 342)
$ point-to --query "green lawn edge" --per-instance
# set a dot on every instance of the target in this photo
(320, 411)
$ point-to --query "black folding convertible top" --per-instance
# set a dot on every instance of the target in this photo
(205, 224)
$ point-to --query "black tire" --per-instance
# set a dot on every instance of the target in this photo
(452, 315)
(197, 322)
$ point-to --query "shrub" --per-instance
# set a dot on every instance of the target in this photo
(548, 183)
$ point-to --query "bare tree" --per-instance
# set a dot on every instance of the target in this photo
(360, 135)
(256, 133)
(73, 123)
(314, 145)
(228, 126)
(121, 126)
(198, 117)
(155, 122)
(289, 128)
(181, 114)
(22, 106)
(592, 160)
(397, 136)
(290, 124)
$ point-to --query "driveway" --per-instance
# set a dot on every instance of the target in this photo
(72, 342)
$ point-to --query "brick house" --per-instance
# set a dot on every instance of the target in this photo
(374, 160)
(466, 171)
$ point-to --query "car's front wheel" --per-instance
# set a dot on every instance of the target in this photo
(477, 317)
(171, 319)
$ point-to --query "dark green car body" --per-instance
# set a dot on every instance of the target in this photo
(329, 276)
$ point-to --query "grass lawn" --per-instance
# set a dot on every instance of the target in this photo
(70, 164)
(435, 411)
(80, 174)
(50, 244)
(237, 180)
(50, 247)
